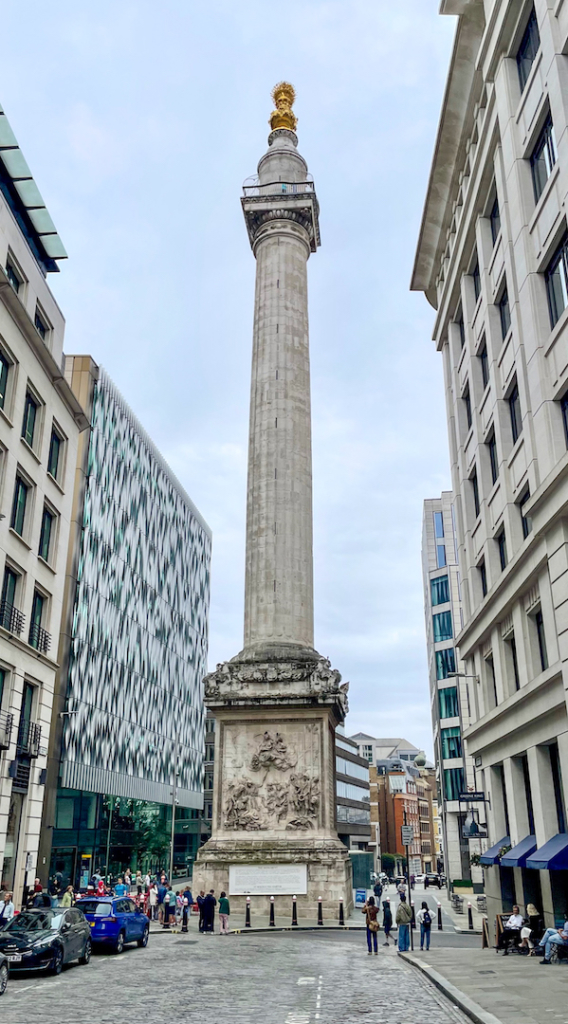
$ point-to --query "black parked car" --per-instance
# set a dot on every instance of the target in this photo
(39, 940)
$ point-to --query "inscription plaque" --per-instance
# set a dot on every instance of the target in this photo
(268, 879)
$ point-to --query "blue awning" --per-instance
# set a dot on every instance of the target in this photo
(517, 857)
(491, 856)
(553, 856)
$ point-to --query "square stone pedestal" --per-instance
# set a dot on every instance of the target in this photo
(276, 712)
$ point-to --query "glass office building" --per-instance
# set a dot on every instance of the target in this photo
(131, 721)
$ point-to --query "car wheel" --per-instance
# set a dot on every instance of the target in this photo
(57, 962)
(144, 940)
(119, 943)
(86, 953)
(3, 978)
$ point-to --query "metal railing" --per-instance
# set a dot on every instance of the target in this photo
(29, 738)
(39, 638)
(276, 188)
(11, 618)
(6, 723)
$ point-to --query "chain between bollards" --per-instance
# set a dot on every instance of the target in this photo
(440, 929)
(320, 911)
(341, 917)
(271, 922)
(247, 914)
(469, 917)
(294, 912)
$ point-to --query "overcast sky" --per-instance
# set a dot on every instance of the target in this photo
(140, 122)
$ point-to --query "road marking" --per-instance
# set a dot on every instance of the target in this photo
(306, 981)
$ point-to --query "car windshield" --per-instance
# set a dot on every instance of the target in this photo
(94, 907)
(28, 922)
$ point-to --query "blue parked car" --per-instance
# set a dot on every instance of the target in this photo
(114, 921)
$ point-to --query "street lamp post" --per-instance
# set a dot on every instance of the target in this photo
(174, 802)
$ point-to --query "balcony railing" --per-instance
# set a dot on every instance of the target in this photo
(39, 638)
(6, 723)
(29, 738)
(276, 188)
(11, 618)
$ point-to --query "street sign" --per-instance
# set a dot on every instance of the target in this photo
(407, 833)
(472, 798)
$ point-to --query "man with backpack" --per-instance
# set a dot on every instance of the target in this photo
(424, 919)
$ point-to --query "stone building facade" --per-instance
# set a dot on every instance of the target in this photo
(40, 423)
(493, 261)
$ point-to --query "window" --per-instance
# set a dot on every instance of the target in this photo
(368, 752)
(495, 219)
(441, 556)
(54, 454)
(543, 158)
(13, 276)
(29, 421)
(476, 279)
(4, 369)
(350, 792)
(356, 771)
(442, 626)
(25, 718)
(491, 678)
(493, 461)
(208, 780)
(440, 590)
(18, 519)
(35, 619)
(556, 278)
(484, 363)
(453, 783)
(528, 792)
(448, 702)
(542, 652)
(41, 324)
(528, 50)
(467, 404)
(564, 408)
(461, 327)
(9, 588)
(504, 313)
(445, 663)
(526, 520)
(502, 546)
(482, 577)
(451, 742)
(438, 524)
(511, 646)
(558, 788)
(475, 491)
(45, 534)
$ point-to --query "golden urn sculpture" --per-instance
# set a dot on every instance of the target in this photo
(283, 95)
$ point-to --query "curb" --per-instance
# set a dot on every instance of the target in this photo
(467, 931)
(473, 1010)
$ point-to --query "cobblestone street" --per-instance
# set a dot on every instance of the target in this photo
(270, 978)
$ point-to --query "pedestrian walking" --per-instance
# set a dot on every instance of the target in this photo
(188, 896)
(224, 911)
(7, 909)
(139, 883)
(426, 881)
(67, 900)
(209, 904)
(153, 900)
(147, 882)
(378, 891)
(401, 889)
(179, 907)
(201, 904)
(387, 920)
(169, 908)
(424, 919)
(403, 919)
(128, 880)
(162, 890)
(372, 918)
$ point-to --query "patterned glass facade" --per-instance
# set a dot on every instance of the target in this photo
(140, 623)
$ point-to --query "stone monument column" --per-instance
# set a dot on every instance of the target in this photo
(278, 702)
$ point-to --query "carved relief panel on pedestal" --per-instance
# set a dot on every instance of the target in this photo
(271, 777)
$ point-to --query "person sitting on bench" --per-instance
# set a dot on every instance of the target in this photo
(511, 932)
(553, 936)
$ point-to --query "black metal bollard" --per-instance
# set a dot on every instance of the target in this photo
(341, 917)
(294, 912)
(271, 922)
(413, 921)
(440, 929)
(184, 919)
(247, 914)
(469, 917)
(320, 911)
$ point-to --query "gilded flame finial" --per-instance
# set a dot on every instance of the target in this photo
(283, 95)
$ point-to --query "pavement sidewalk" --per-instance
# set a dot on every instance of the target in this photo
(492, 989)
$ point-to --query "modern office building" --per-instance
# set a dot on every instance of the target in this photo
(40, 423)
(449, 690)
(373, 749)
(127, 740)
(353, 818)
(493, 261)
